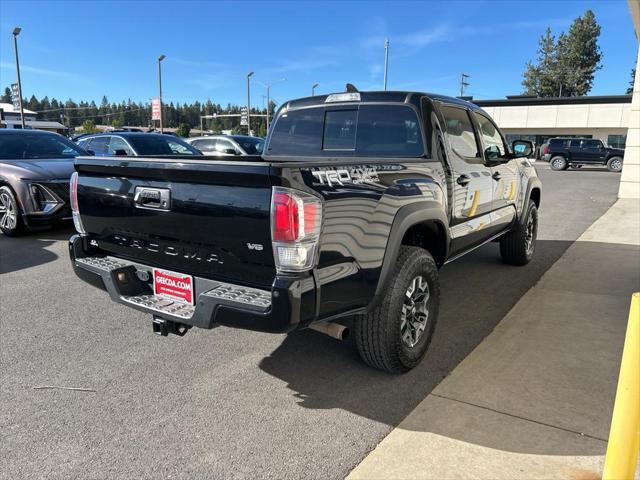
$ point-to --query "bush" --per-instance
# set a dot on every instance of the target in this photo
(88, 126)
(183, 130)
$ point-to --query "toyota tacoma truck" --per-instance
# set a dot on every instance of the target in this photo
(356, 202)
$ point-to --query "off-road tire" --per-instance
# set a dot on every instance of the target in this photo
(16, 227)
(558, 163)
(514, 246)
(614, 164)
(378, 333)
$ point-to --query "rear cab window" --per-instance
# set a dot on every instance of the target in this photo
(348, 130)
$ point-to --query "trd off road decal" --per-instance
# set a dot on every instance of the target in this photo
(339, 176)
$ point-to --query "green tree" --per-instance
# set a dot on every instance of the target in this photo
(6, 98)
(183, 130)
(115, 123)
(566, 67)
(632, 81)
(89, 126)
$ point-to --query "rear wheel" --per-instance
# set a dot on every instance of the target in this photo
(517, 246)
(395, 336)
(614, 164)
(11, 222)
(559, 163)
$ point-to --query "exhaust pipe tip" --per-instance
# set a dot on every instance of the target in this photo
(334, 330)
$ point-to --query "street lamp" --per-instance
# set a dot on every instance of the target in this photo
(313, 89)
(16, 32)
(386, 61)
(249, 75)
(268, 87)
(160, 59)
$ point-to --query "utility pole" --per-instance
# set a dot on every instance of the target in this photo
(313, 89)
(268, 87)
(249, 75)
(160, 59)
(463, 83)
(16, 32)
(386, 61)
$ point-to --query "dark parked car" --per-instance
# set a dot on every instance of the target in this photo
(563, 153)
(228, 145)
(135, 144)
(35, 167)
(356, 203)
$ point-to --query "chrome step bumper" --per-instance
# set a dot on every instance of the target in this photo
(130, 283)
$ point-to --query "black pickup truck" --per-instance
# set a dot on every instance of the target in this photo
(563, 153)
(358, 200)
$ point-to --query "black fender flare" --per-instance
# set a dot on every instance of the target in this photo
(406, 217)
(532, 184)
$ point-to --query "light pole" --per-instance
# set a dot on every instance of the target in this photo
(16, 32)
(160, 59)
(249, 75)
(463, 83)
(268, 87)
(386, 61)
(313, 89)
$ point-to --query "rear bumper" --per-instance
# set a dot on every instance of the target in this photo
(288, 305)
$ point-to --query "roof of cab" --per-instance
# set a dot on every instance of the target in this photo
(382, 96)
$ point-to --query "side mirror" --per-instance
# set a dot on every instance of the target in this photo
(120, 153)
(91, 152)
(522, 148)
(230, 151)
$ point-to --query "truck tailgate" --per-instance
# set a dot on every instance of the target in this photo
(208, 218)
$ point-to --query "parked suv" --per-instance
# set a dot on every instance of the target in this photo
(563, 153)
(357, 201)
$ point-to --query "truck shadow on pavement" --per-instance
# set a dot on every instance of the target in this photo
(30, 250)
(477, 292)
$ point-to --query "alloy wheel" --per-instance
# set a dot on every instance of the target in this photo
(530, 234)
(8, 216)
(415, 311)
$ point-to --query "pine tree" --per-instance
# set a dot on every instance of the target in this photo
(566, 67)
(632, 81)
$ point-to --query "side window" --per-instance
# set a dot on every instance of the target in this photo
(460, 131)
(491, 138)
(118, 143)
(205, 144)
(592, 144)
(178, 149)
(223, 145)
(100, 145)
(575, 143)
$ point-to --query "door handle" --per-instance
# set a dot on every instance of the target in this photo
(463, 180)
(496, 176)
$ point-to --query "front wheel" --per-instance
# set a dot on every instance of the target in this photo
(11, 222)
(614, 164)
(517, 246)
(395, 336)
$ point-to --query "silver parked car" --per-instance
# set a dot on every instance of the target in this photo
(228, 145)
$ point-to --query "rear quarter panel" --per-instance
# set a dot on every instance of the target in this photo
(358, 214)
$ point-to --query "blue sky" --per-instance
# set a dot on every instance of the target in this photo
(84, 50)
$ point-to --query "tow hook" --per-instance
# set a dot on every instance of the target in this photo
(164, 327)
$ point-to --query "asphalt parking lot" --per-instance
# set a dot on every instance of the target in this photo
(229, 403)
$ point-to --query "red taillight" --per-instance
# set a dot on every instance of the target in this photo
(545, 149)
(286, 218)
(296, 218)
(73, 192)
(73, 197)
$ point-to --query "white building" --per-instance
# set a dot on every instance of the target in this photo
(10, 118)
(538, 119)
